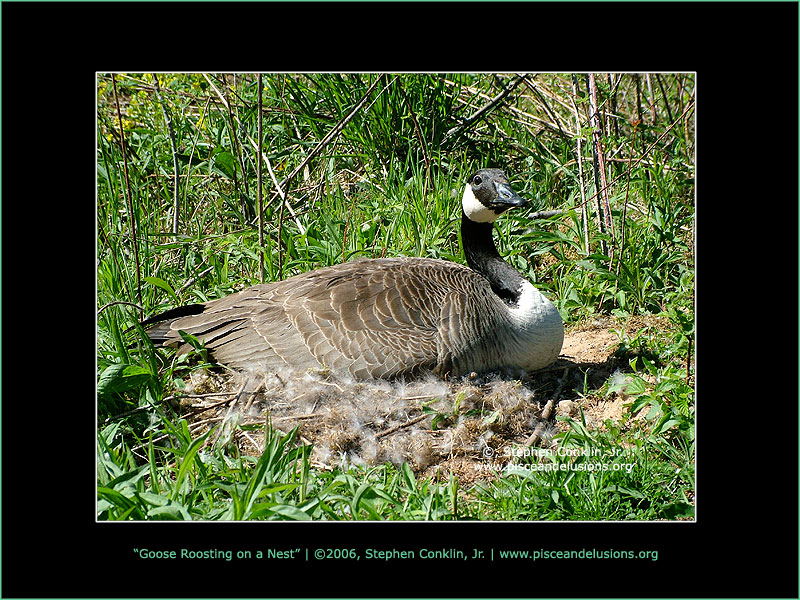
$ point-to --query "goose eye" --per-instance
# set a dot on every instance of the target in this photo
(477, 180)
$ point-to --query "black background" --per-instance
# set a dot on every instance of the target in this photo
(744, 543)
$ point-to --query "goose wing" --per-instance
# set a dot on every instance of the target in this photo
(371, 318)
(374, 318)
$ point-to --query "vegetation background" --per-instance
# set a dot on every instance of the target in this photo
(364, 165)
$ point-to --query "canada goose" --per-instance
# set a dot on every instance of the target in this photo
(388, 317)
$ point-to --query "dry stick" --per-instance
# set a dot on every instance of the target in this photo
(686, 133)
(292, 417)
(350, 214)
(584, 210)
(191, 280)
(174, 148)
(625, 212)
(546, 214)
(280, 240)
(200, 409)
(603, 209)
(614, 87)
(512, 109)
(252, 397)
(131, 217)
(548, 410)
(651, 99)
(196, 424)
(196, 409)
(482, 112)
(116, 302)
(280, 191)
(233, 403)
(638, 79)
(632, 164)
(234, 119)
(317, 149)
(259, 168)
(625, 205)
(664, 95)
(401, 426)
(532, 87)
(332, 133)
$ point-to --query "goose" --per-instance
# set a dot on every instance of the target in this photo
(386, 318)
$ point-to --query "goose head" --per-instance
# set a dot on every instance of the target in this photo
(487, 195)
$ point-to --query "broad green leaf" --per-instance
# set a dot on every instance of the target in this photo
(158, 282)
(120, 377)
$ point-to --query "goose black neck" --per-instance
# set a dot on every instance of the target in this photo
(482, 256)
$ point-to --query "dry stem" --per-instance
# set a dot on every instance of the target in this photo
(548, 410)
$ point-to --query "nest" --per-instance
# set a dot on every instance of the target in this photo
(437, 427)
(461, 426)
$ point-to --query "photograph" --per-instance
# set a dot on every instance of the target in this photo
(412, 296)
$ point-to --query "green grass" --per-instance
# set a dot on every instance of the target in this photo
(382, 186)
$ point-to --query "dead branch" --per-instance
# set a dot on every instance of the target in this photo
(482, 112)
(400, 426)
(603, 204)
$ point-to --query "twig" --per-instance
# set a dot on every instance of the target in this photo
(483, 111)
(115, 302)
(603, 205)
(332, 133)
(651, 99)
(277, 185)
(664, 95)
(191, 152)
(531, 86)
(317, 149)
(548, 410)
(638, 79)
(191, 280)
(200, 409)
(584, 210)
(634, 163)
(546, 214)
(252, 396)
(401, 426)
(286, 418)
(205, 395)
(236, 398)
(280, 236)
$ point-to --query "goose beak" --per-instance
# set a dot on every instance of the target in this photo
(507, 197)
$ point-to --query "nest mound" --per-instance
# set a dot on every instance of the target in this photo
(438, 427)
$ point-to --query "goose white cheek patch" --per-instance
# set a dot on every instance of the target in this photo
(474, 210)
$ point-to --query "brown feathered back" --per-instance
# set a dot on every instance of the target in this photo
(377, 318)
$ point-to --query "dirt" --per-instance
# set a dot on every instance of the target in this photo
(462, 427)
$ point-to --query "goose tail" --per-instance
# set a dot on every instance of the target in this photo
(157, 327)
